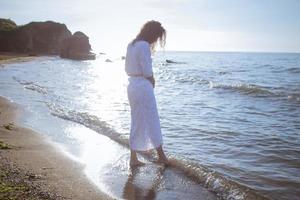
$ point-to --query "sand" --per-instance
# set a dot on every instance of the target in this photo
(8, 57)
(50, 171)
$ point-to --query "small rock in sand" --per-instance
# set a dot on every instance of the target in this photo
(3, 145)
(9, 126)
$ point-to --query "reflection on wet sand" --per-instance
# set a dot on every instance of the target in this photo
(134, 190)
(107, 165)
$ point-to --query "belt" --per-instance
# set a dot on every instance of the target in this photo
(135, 75)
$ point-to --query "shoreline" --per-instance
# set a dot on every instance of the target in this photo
(110, 173)
(45, 172)
(12, 57)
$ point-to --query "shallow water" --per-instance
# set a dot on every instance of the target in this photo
(230, 120)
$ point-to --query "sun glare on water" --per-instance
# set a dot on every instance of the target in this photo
(106, 91)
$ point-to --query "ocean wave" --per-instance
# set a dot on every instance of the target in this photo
(294, 97)
(22, 82)
(30, 85)
(294, 70)
(224, 187)
(243, 88)
(192, 80)
(90, 121)
(36, 88)
(214, 181)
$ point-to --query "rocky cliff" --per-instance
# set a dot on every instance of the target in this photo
(77, 47)
(43, 38)
(35, 37)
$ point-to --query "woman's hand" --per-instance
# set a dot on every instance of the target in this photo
(152, 80)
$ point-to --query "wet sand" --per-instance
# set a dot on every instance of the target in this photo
(53, 173)
(49, 170)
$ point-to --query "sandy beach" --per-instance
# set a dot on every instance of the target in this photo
(8, 57)
(42, 171)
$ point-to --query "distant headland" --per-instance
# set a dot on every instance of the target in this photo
(44, 38)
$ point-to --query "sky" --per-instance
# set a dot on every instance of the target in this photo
(192, 25)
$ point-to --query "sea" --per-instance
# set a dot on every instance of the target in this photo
(230, 121)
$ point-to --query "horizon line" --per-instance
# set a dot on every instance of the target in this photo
(224, 51)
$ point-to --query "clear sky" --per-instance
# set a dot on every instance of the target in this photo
(192, 25)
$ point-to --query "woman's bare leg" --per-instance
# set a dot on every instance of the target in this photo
(134, 161)
(162, 158)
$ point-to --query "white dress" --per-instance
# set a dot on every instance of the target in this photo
(145, 131)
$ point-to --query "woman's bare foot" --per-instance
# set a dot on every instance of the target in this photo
(162, 158)
(134, 162)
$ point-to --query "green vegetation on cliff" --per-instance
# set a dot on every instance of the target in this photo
(7, 25)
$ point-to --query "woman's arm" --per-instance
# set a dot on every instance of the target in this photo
(145, 61)
(152, 80)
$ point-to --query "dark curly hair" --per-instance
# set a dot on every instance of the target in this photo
(151, 32)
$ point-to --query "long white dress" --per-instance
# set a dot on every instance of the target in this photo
(145, 131)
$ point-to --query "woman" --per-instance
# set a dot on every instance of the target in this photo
(145, 132)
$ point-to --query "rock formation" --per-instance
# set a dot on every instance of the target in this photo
(35, 37)
(44, 38)
(174, 62)
(77, 47)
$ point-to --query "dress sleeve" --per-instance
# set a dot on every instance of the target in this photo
(146, 60)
